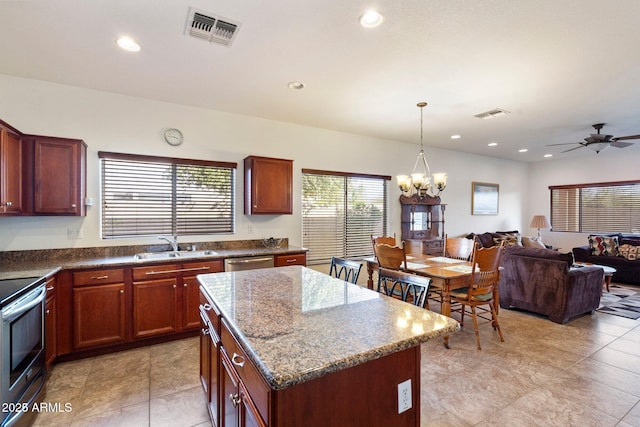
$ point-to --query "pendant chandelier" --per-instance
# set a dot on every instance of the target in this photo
(420, 181)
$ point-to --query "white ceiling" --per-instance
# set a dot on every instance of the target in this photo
(558, 66)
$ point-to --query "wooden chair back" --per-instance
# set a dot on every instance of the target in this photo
(485, 272)
(405, 286)
(387, 240)
(393, 257)
(345, 269)
(458, 248)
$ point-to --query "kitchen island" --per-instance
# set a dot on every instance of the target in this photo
(292, 346)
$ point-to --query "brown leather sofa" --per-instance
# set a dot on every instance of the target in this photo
(542, 281)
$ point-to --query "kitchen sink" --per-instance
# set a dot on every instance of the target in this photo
(173, 254)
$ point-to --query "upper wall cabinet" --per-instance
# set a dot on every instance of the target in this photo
(268, 186)
(10, 172)
(41, 175)
(59, 176)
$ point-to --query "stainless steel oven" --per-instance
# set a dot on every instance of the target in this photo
(22, 358)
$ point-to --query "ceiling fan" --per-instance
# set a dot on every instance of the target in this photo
(598, 141)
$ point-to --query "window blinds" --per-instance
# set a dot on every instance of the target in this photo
(596, 208)
(145, 195)
(340, 212)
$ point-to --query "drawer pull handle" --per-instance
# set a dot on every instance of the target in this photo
(50, 288)
(235, 399)
(121, 291)
(106, 276)
(206, 307)
(291, 260)
(205, 331)
(237, 360)
(149, 273)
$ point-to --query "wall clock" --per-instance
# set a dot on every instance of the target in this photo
(173, 137)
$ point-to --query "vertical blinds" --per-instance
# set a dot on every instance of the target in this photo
(340, 212)
(602, 208)
(146, 195)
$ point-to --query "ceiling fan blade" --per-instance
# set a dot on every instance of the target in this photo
(621, 144)
(620, 138)
(571, 149)
(565, 143)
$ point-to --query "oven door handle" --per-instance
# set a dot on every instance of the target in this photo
(18, 309)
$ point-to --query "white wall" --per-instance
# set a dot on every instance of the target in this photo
(111, 122)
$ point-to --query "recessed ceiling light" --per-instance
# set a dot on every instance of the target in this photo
(128, 44)
(371, 19)
(455, 137)
(522, 150)
(548, 155)
(296, 85)
(492, 144)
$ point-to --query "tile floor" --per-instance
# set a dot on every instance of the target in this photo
(584, 373)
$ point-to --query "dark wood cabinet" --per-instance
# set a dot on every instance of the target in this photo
(10, 172)
(268, 186)
(290, 259)
(50, 322)
(423, 219)
(210, 357)
(99, 316)
(166, 297)
(59, 176)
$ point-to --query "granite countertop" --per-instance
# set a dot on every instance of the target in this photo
(19, 264)
(297, 324)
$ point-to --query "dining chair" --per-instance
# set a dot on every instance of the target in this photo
(345, 269)
(387, 240)
(458, 248)
(405, 286)
(393, 257)
(483, 280)
(413, 247)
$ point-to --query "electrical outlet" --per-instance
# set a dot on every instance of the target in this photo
(74, 233)
(404, 396)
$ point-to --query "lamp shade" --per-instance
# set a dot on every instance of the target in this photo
(540, 221)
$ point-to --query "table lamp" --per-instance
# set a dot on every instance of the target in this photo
(540, 221)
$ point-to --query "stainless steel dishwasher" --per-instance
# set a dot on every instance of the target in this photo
(248, 263)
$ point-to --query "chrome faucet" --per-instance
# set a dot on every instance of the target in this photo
(173, 241)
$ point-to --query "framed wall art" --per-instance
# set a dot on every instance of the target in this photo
(484, 198)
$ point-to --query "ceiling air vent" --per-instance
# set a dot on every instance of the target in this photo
(210, 27)
(496, 112)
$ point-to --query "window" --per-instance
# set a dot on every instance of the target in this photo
(340, 212)
(150, 196)
(612, 207)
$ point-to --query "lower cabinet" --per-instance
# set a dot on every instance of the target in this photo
(99, 315)
(236, 406)
(154, 307)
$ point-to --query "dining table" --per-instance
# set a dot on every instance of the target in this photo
(445, 273)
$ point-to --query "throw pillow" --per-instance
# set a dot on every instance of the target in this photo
(532, 242)
(603, 245)
(509, 239)
(629, 252)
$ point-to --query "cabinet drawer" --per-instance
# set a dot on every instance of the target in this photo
(203, 267)
(253, 381)
(98, 277)
(293, 259)
(210, 314)
(156, 271)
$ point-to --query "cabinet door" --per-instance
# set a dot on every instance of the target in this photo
(50, 342)
(155, 304)
(59, 176)
(268, 186)
(229, 393)
(98, 315)
(10, 173)
(249, 416)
